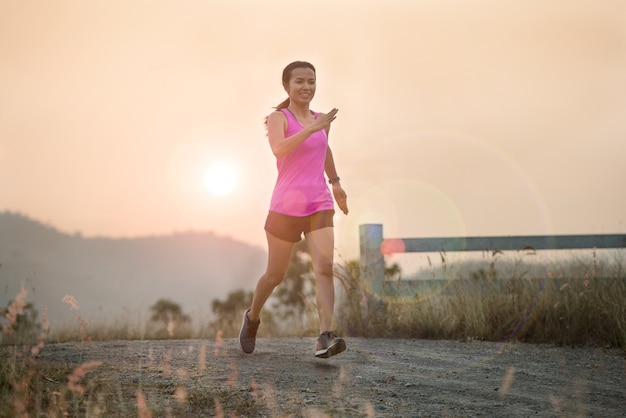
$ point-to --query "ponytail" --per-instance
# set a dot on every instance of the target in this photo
(283, 105)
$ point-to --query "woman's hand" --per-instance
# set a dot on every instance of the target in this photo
(323, 121)
(340, 197)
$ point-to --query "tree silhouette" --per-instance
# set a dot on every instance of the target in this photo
(228, 313)
(234, 305)
(298, 286)
(170, 314)
(393, 272)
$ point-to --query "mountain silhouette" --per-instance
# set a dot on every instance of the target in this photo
(109, 276)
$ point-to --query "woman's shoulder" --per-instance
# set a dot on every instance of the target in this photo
(278, 113)
(277, 117)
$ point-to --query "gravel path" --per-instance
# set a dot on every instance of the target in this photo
(374, 377)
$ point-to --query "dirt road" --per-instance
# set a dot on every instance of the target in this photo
(374, 377)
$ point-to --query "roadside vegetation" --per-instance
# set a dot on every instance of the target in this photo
(578, 301)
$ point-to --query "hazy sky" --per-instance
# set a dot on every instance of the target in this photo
(483, 117)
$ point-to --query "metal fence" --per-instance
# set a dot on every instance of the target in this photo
(373, 247)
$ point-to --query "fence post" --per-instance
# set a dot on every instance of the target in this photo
(372, 262)
(372, 277)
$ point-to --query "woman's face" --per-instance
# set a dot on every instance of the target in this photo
(301, 86)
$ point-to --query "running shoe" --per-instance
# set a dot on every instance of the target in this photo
(328, 345)
(247, 334)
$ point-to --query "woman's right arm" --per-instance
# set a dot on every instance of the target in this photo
(277, 124)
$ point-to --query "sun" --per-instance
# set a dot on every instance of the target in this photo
(220, 179)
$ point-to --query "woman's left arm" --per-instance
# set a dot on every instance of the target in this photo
(340, 195)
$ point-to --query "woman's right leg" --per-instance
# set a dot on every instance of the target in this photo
(278, 257)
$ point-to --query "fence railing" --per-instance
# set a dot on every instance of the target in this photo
(373, 247)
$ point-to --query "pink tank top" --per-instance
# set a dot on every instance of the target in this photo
(300, 188)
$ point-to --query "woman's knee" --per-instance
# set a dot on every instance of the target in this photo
(272, 279)
(324, 271)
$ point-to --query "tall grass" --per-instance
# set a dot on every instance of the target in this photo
(574, 302)
(33, 388)
(30, 387)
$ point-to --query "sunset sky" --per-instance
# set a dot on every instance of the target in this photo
(483, 117)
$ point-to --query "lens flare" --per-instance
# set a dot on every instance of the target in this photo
(445, 184)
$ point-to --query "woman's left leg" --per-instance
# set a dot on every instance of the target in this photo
(321, 244)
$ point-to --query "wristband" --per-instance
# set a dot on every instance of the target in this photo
(333, 180)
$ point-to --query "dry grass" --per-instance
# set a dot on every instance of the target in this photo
(575, 302)
(578, 302)
(29, 387)
(34, 388)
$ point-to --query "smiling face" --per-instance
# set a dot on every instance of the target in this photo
(301, 85)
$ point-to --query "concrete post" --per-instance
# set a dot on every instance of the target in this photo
(372, 262)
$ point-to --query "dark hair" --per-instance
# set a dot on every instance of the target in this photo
(287, 76)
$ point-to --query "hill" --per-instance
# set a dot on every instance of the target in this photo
(109, 276)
